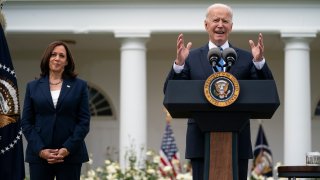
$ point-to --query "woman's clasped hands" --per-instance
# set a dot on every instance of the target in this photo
(54, 155)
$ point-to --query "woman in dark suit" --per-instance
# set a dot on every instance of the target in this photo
(56, 118)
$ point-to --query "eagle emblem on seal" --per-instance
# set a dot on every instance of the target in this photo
(9, 105)
(222, 89)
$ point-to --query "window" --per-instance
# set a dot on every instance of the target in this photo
(98, 103)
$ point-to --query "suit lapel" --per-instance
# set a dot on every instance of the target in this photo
(67, 85)
(45, 89)
(204, 61)
(238, 56)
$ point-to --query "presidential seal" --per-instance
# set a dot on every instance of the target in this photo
(221, 89)
(9, 109)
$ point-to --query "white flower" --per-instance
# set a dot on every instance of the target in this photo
(107, 162)
(167, 169)
(111, 169)
(89, 178)
(164, 178)
(180, 177)
(151, 171)
(116, 166)
(90, 161)
(156, 159)
(185, 166)
(188, 176)
(99, 169)
(111, 176)
(149, 153)
(91, 173)
(175, 161)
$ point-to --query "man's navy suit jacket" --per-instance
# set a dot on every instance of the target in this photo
(64, 126)
(197, 67)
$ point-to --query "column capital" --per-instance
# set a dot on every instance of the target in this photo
(298, 39)
(132, 34)
(299, 34)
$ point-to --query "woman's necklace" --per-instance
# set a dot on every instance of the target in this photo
(55, 83)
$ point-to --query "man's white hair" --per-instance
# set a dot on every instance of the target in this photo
(219, 5)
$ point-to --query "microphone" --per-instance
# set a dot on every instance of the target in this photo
(230, 56)
(214, 56)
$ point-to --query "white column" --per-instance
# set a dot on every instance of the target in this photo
(297, 97)
(133, 110)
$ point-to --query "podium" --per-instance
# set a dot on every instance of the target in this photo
(258, 99)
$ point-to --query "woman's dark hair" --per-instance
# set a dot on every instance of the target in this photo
(68, 69)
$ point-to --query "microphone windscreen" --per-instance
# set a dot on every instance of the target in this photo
(229, 52)
(214, 52)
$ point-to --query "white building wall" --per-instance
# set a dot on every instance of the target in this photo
(102, 65)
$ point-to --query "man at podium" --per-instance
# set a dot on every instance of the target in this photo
(194, 65)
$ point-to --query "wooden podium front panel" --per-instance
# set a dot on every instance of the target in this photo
(221, 156)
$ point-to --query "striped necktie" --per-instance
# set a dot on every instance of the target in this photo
(221, 62)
